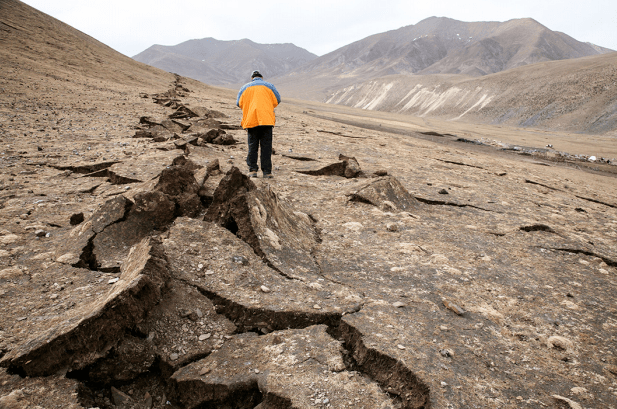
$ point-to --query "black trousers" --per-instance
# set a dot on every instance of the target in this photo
(260, 136)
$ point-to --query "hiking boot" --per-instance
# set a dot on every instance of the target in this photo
(268, 176)
(252, 174)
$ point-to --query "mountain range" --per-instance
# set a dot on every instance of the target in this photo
(436, 45)
(225, 62)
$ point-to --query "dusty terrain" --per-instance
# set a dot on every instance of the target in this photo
(140, 272)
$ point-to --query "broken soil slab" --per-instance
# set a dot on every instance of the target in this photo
(347, 168)
(75, 247)
(284, 238)
(228, 271)
(301, 368)
(92, 329)
(152, 212)
(179, 184)
(386, 193)
(35, 297)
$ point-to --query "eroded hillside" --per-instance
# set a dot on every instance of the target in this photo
(575, 95)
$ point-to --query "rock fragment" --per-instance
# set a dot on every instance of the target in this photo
(279, 235)
(572, 404)
(453, 307)
(348, 168)
(386, 193)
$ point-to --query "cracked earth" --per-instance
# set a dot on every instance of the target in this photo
(141, 268)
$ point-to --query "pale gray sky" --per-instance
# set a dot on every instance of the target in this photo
(320, 26)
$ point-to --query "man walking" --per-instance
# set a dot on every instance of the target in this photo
(258, 99)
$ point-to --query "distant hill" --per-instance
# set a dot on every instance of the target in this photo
(225, 62)
(436, 45)
(578, 95)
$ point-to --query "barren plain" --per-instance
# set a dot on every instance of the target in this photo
(401, 267)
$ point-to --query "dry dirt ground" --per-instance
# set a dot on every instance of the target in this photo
(378, 269)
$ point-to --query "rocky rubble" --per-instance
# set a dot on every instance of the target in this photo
(195, 124)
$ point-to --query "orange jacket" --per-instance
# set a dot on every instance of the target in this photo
(258, 99)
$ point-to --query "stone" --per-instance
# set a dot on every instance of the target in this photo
(392, 227)
(152, 211)
(561, 343)
(265, 289)
(120, 398)
(453, 307)
(386, 193)
(572, 404)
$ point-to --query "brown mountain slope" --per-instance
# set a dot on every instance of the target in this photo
(434, 45)
(577, 95)
(32, 39)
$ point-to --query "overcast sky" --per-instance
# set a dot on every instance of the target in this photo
(320, 26)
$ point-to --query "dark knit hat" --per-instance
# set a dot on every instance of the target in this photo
(256, 74)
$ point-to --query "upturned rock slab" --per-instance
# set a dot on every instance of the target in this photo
(386, 193)
(178, 182)
(284, 238)
(348, 168)
(75, 249)
(152, 211)
(228, 271)
(301, 368)
(94, 328)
